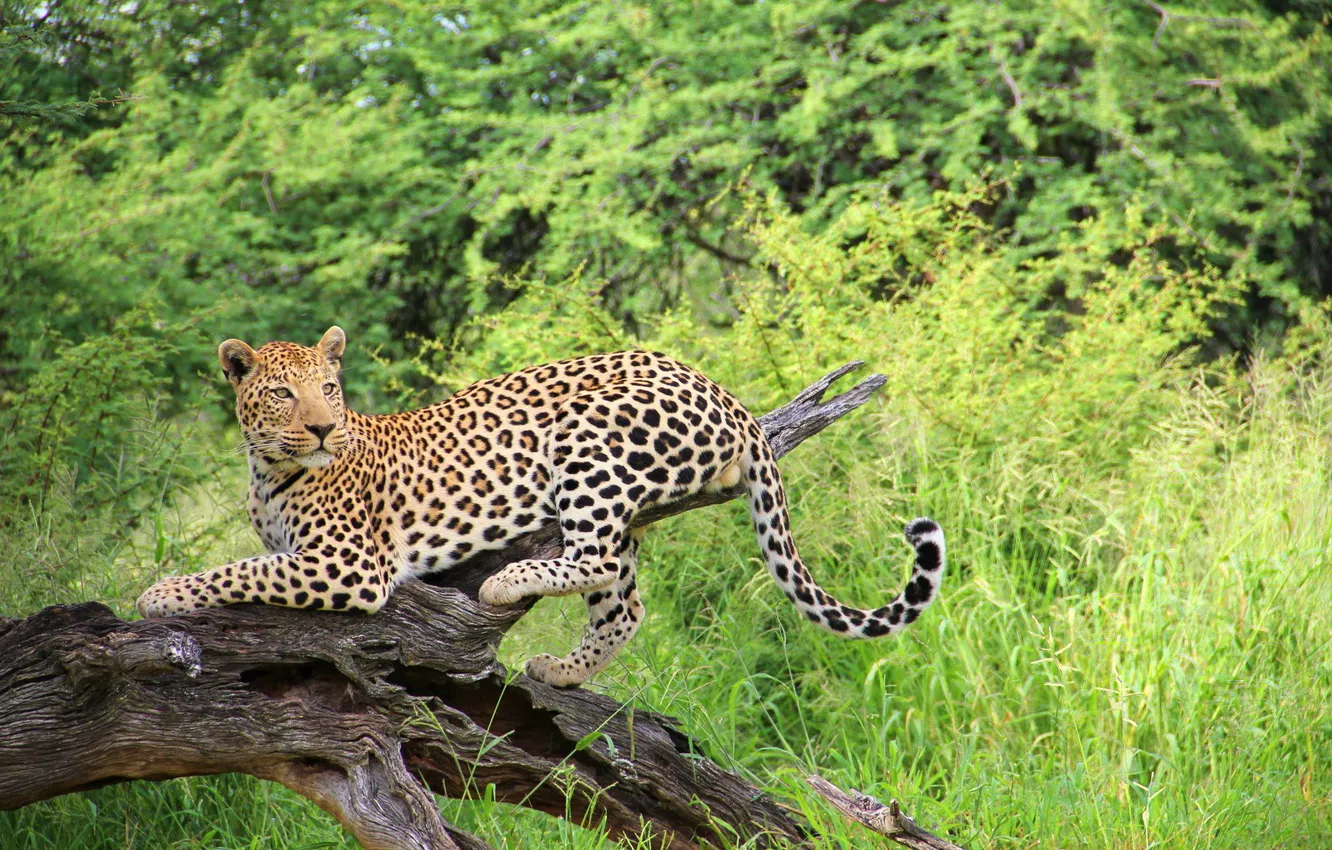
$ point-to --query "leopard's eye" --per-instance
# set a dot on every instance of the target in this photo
(282, 392)
(330, 388)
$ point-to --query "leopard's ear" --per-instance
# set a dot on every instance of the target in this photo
(237, 359)
(333, 344)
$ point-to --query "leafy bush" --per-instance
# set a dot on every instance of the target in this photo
(307, 163)
(95, 454)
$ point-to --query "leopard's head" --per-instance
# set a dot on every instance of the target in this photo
(288, 398)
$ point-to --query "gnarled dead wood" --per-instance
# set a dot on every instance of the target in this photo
(889, 821)
(368, 715)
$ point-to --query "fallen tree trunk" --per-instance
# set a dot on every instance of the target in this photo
(368, 715)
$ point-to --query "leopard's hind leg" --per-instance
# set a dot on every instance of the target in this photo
(615, 614)
(593, 513)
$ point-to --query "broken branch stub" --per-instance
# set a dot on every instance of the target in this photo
(889, 821)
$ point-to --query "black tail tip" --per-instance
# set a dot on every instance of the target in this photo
(917, 529)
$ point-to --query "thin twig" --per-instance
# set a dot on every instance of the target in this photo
(1007, 77)
(1167, 16)
(268, 194)
(720, 253)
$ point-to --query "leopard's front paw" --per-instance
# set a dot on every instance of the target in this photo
(556, 672)
(169, 596)
(501, 590)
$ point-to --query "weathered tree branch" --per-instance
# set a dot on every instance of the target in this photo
(368, 715)
(889, 821)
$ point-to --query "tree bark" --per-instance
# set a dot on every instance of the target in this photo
(889, 821)
(369, 715)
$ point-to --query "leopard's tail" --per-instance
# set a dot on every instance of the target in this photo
(772, 523)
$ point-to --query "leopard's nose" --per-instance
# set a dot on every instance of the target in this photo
(320, 431)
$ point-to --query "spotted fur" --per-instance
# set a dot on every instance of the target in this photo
(349, 505)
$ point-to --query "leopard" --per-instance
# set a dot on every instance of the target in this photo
(350, 505)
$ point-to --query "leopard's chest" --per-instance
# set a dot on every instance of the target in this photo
(297, 509)
(266, 519)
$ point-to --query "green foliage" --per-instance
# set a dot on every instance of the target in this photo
(305, 163)
(1052, 228)
(13, 42)
(93, 449)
